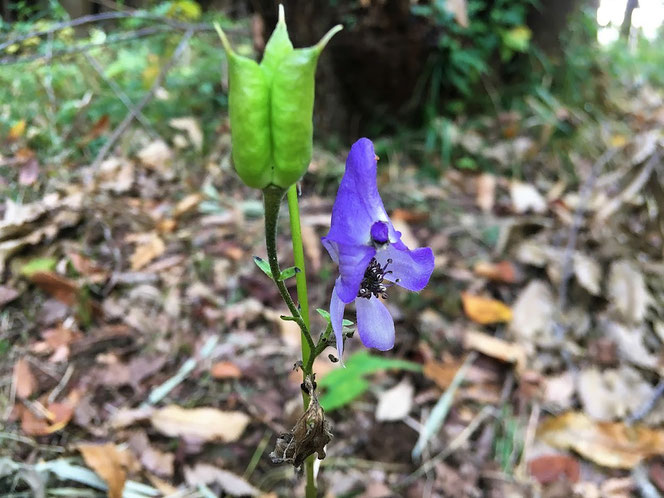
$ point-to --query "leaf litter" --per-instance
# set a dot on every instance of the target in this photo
(133, 266)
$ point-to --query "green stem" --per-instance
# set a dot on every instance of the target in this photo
(308, 348)
(272, 197)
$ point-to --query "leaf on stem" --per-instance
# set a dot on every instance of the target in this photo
(263, 265)
(289, 273)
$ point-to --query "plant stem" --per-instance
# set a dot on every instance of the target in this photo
(272, 197)
(308, 349)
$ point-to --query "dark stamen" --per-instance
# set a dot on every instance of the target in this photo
(372, 283)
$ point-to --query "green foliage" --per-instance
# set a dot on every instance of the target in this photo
(466, 54)
(62, 100)
(346, 384)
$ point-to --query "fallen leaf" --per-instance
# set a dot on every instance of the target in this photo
(225, 370)
(60, 413)
(588, 273)
(486, 192)
(609, 444)
(627, 291)
(106, 461)
(484, 310)
(503, 271)
(24, 380)
(188, 204)
(232, 484)
(550, 468)
(533, 312)
(147, 252)
(630, 343)
(395, 403)
(190, 125)
(612, 393)
(200, 424)
(525, 197)
(441, 373)
(558, 391)
(85, 266)
(154, 460)
(61, 288)
(157, 155)
(497, 348)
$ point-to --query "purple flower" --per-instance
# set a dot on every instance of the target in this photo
(368, 250)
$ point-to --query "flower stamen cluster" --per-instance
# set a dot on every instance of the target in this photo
(372, 283)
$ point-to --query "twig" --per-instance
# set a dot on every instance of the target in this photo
(528, 441)
(122, 127)
(456, 443)
(124, 37)
(61, 385)
(160, 392)
(568, 255)
(647, 407)
(105, 16)
(120, 94)
(442, 408)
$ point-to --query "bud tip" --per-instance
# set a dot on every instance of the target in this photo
(282, 14)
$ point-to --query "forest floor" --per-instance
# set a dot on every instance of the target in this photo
(143, 350)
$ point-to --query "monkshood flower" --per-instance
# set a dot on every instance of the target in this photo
(369, 251)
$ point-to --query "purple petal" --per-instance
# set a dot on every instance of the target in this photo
(380, 232)
(374, 323)
(337, 318)
(358, 204)
(412, 269)
(353, 261)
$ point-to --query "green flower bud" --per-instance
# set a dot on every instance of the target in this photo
(271, 109)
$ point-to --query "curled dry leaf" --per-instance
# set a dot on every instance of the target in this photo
(533, 312)
(24, 380)
(225, 370)
(499, 349)
(107, 461)
(588, 273)
(200, 424)
(232, 484)
(503, 271)
(147, 252)
(609, 444)
(58, 415)
(485, 310)
(627, 291)
(486, 192)
(525, 198)
(61, 288)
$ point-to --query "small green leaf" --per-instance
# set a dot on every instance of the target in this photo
(343, 393)
(289, 273)
(37, 265)
(343, 385)
(326, 316)
(263, 265)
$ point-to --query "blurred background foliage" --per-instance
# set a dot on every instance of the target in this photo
(423, 74)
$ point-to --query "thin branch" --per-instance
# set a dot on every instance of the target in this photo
(122, 127)
(105, 16)
(120, 94)
(124, 37)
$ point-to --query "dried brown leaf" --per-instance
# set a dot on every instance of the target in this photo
(147, 252)
(485, 310)
(106, 460)
(494, 347)
(200, 424)
(609, 444)
(24, 379)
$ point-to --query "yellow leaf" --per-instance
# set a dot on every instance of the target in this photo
(609, 444)
(618, 141)
(17, 131)
(106, 461)
(484, 310)
(146, 252)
